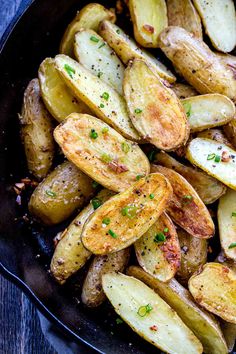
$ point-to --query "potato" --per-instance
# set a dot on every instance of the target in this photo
(128, 215)
(186, 208)
(103, 100)
(208, 188)
(229, 332)
(217, 135)
(203, 325)
(148, 315)
(221, 258)
(227, 223)
(217, 159)
(62, 192)
(208, 111)
(57, 97)
(88, 18)
(200, 67)
(101, 152)
(213, 287)
(36, 131)
(183, 90)
(127, 49)
(230, 132)
(158, 250)
(149, 18)
(96, 56)
(183, 14)
(214, 13)
(92, 292)
(193, 255)
(70, 254)
(154, 109)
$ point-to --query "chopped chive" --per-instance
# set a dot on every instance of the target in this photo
(101, 105)
(93, 134)
(151, 155)
(102, 45)
(187, 198)
(232, 245)
(166, 230)
(51, 193)
(211, 156)
(160, 237)
(143, 310)
(106, 221)
(105, 95)
(112, 233)
(138, 110)
(118, 31)
(187, 108)
(105, 130)
(95, 184)
(96, 203)
(99, 74)
(129, 211)
(106, 158)
(70, 71)
(233, 213)
(217, 158)
(151, 196)
(125, 147)
(138, 177)
(94, 39)
(119, 321)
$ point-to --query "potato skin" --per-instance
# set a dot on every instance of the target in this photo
(63, 191)
(230, 132)
(217, 135)
(36, 131)
(92, 292)
(183, 91)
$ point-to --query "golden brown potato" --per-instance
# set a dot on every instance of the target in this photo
(185, 207)
(154, 109)
(215, 134)
(101, 152)
(158, 250)
(92, 292)
(183, 91)
(230, 132)
(183, 14)
(88, 18)
(36, 131)
(202, 68)
(127, 216)
(62, 192)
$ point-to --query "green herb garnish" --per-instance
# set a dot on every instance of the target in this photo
(96, 203)
(151, 196)
(118, 31)
(95, 184)
(70, 71)
(138, 177)
(105, 95)
(112, 233)
(102, 45)
(233, 214)
(144, 310)
(187, 107)
(51, 193)
(101, 105)
(129, 211)
(138, 110)
(119, 321)
(106, 221)
(217, 158)
(160, 237)
(211, 156)
(99, 74)
(106, 158)
(94, 39)
(232, 245)
(93, 134)
(125, 147)
(166, 230)
(187, 199)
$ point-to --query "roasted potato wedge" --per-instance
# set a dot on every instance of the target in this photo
(154, 109)
(185, 207)
(92, 292)
(208, 111)
(193, 255)
(96, 56)
(57, 97)
(200, 67)
(70, 254)
(127, 49)
(227, 223)
(208, 188)
(148, 315)
(183, 91)
(214, 13)
(203, 325)
(230, 132)
(36, 131)
(183, 14)
(215, 134)
(101, 152)
(62, 192)
(104, 101)
(158, 250)
(88, 18)
(217, 159)
(130, 214)
(229, 332)
(149, 18)
(213, 287)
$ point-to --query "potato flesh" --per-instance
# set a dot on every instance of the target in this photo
(203, 325)
(160, 259)
(109, 159)
(215, 134)
(95, 55)
(131, 214)
(103, 100)
(128, 294)
(183, 91)
(199, 152)
(154, 109)
(213, 287)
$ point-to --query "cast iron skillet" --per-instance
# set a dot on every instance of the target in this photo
(25, 249)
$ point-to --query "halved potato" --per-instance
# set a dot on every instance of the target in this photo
(203, 325)
(127, 49)
(148, 315)
(154, 109)
(183, 14)
(70, 254)
(213, 287)
(183, 91)
(217, 159)
(96, 56)
(92, 291)
(185, 207)
(158, 250)
(130, 214)
(88, 18)
(208, 111)
(58, 98)
(208, 188)
(229, 332)
(230, 131)
(202, 68)
(103, 100)
(214, 13)
(149, 18)
(101, 152)
(227, 223)
(215, 134)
